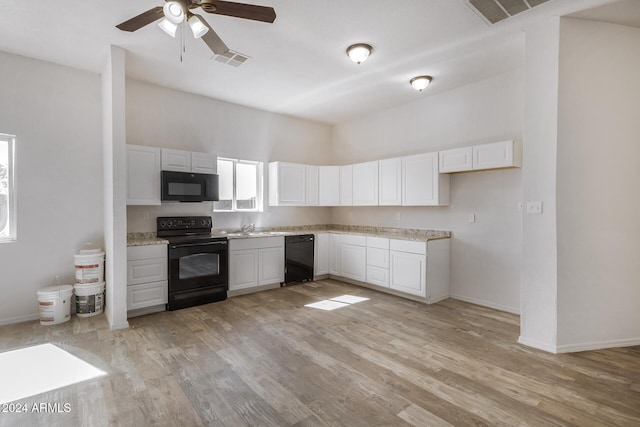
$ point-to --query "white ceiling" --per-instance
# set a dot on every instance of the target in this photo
(298, 64)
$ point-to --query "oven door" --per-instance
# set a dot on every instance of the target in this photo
(197, 265)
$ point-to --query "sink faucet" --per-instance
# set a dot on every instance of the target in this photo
(248, 228)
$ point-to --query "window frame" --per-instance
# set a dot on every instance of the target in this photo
(259, 185)
(11, 189)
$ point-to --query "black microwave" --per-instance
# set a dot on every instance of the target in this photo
(189, 187)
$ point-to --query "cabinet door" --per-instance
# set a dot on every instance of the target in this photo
(346, 185)
(146, 270)
(408, 273)
(270, 265)
(147, 295)
(365, 184)
(143, 175)
(287, 184)
(204, 163)
(176, 160)
(422, 185)
(243, 269)
(390, 182)
(335, 257)
(312, 190)
(321, 259)
(354, 262)
(497, 155)
(456, 160)
(329, 185)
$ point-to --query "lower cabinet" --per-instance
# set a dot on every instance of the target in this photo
(255, 262)
(321, 252)
(147, 284)
(420, 268)
(335, 261)
(353, 257)
(378, 261)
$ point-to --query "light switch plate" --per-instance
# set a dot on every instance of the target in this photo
(472, 218)
(534, 207)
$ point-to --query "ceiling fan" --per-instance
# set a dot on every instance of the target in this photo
(178, 12)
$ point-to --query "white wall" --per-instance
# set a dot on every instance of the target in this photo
(485, 255)
(538, 321)
(55, 113)
(167, 118)
(598, 176)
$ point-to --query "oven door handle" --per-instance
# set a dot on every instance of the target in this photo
(189, 245)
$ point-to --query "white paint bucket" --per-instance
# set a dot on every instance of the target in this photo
(89, 299)
(89, 266)
(54, 304)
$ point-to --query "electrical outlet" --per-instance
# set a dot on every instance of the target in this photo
(534, 207)
(520, 206)
(472, 218)
(398, 216)
(145, 214)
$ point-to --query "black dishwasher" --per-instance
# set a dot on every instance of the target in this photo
(298, 254)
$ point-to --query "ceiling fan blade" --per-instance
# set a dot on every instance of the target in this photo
(239, 10)
(212, 39)
(141, 20)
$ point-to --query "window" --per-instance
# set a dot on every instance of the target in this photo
(240, 185)
(7, 188)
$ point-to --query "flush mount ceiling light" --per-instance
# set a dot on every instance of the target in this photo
(420, 82)
(359, 52)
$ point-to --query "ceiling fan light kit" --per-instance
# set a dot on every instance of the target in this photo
(197, 27)
(359, 52)
(173, 12)
(168, 27)
(420, 82)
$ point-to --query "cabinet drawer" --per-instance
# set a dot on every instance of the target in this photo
(378, 276)
(378, 257)
(146, 252)
(408, 246)
(146, 270)
(377, 242)
(147, 295)
(352, 239)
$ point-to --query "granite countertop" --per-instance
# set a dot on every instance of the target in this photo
(413, 234)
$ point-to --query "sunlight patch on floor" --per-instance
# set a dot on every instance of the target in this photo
(336, 302)
(33, 370)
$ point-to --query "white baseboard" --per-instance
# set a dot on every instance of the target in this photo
(537, 344)
(599, 345)
(488, 304)
(19, 319)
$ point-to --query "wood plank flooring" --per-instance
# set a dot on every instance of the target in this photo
(266, 360)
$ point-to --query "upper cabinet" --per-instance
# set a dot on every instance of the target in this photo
(329, 185)
(497, 155)
(187, 161)
(312, 190)
(346, 185)
(390, 182)
(422, 184)
(143, 175)
(365, 184)
(287, 184)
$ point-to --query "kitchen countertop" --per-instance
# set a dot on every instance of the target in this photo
(150, 238)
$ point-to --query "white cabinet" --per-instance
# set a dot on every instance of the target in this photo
(255, 262)
(420, 268)
(390, 182)
(187, 161)
(346, 185)
(143, 175)
(505, 154)
(147, 284)
(312, 188)
(422, 184)
(287, 184)
(321, 254)
(329, 185)
(335, 264)
(456, 160)
(497, 155)
(378, 261)
(365, 184)
(353, 257)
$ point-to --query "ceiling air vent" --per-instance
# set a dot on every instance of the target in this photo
(493, 11)
(232, 58)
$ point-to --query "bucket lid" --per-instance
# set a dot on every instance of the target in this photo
(55, 290)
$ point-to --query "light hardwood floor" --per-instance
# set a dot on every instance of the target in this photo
(266, 360)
